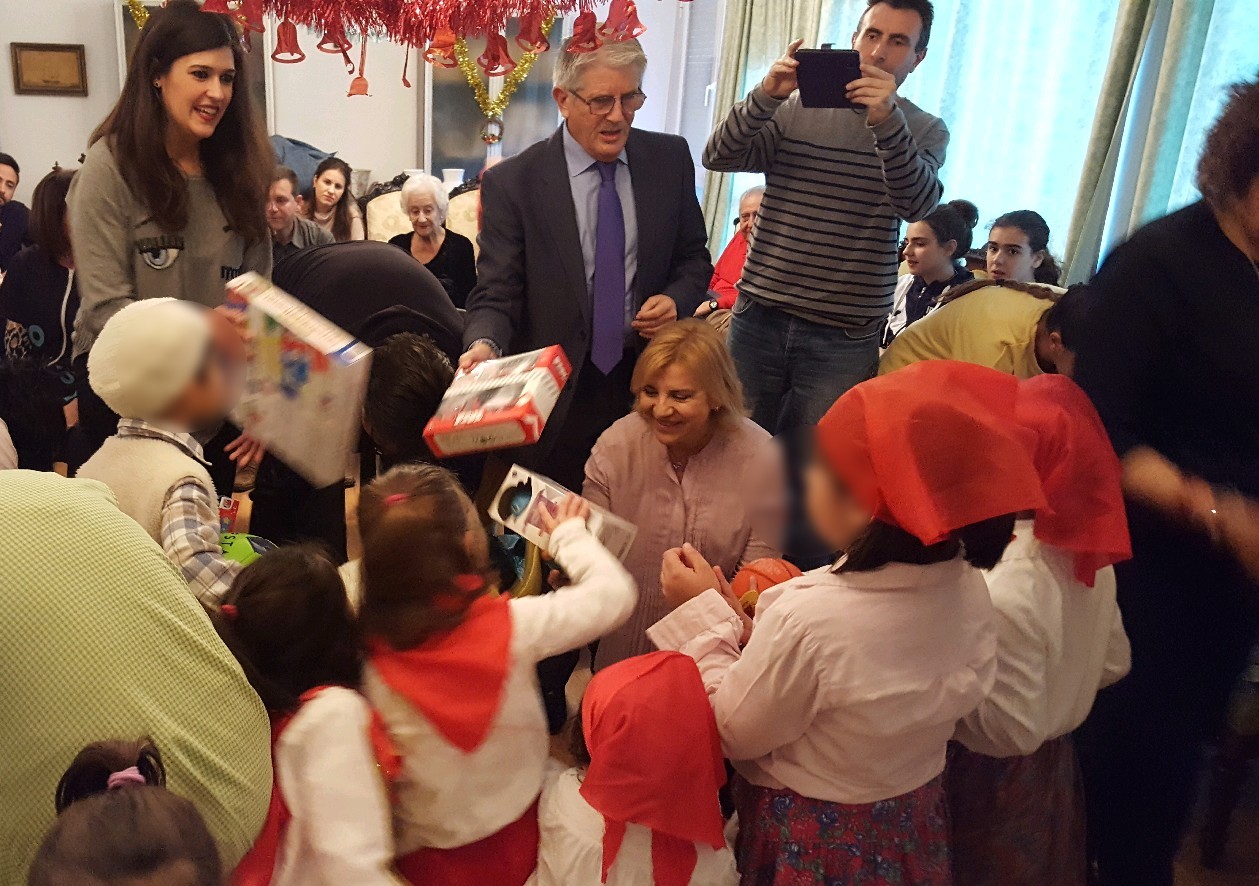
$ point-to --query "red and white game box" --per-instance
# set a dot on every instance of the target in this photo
(499, 404)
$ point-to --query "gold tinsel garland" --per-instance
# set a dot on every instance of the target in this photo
(494, 107)
(138, 13)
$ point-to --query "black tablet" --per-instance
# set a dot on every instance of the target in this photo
(824, 75)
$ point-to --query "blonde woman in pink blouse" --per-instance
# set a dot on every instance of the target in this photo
(687, 466)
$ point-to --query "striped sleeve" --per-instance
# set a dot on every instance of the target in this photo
(747, 140)
(910, 169)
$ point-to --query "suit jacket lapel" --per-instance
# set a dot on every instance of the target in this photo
(561, 220)
(646, 206)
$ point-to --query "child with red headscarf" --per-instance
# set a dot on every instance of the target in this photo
(838, 711)
(641, 807)
(1015, 799)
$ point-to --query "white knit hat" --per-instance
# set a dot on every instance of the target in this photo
(147, 354)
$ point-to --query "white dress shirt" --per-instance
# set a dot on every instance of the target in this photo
(584, 179)
(571, 852)
(340, 833)
(852, 683)
(1058, 642)
(449, 798)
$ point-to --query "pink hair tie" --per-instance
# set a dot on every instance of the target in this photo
(396, 499)
(125, 778)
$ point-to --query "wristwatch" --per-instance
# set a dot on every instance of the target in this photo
(713, 305)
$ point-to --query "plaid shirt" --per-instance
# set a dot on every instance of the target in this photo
(190, 521)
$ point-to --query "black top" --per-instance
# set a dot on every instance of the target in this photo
(13, 220)
(372, 291)
(454, 264)
(1171, 356)
(37, 312)
(922, 295)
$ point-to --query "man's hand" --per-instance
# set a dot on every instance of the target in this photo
(475, 355)
(780, 82)
(245, 451)
(877, 91)
(704, 309)
(684, 575)
(656, 313)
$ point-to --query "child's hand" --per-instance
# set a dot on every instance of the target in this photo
(684, 575)
(245, 451)
(723, 587)
(572, 508)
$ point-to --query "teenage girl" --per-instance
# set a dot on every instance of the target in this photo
(453, 670)
(289, 623)
(332, 205)
(933, 248)
(838, 712)
(117, 825)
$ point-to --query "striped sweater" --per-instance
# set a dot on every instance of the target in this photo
(824, 247)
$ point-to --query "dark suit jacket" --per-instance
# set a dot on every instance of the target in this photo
(531, 287)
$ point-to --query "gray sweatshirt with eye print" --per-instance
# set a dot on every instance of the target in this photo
(121, 255)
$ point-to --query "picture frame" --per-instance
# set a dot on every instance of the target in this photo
(49, 68)
(258, 77)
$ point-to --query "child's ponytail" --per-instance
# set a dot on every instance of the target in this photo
(110, 765)
(984, 543)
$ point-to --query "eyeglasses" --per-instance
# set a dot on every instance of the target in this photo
(602, 105)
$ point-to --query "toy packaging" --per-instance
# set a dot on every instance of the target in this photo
(499, 403)
(523, 498)
(305, 382)
(229, 508)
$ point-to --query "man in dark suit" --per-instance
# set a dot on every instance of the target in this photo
(593, 240)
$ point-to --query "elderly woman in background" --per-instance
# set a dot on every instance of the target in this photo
(687, 467)
(447, 254)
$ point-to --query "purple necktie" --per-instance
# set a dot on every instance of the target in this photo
(609, 301)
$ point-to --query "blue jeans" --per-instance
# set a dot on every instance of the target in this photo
(793, 370)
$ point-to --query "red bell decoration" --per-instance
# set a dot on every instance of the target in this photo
(287, 49)
(623, 22)
(585, 33)
(441, 51)
(335, 42)
(496, 61)
(531, 38)
(217, 6)
(358, 86)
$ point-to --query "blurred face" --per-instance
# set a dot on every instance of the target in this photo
(680, 414)
(603, 135)
(1052, 354)
(422, 210)
(886, 38)
(282, 208)
(196, 92)
(749, 207)
(1011, 257)
(836, 516)
(328, 190)
(8, 183)
(925, 255)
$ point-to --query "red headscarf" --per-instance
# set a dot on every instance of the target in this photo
(1080, 473)
(933, 447)
(655, 760)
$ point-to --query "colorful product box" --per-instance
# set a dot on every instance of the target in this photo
(525, 496)
(305, 383)
(499, 404)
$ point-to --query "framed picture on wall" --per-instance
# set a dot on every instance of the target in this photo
(256, 76)
(49, 69)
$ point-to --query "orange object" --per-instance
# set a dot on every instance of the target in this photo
(767, 571)
(287, 50)
(358, 86)
(441, 51)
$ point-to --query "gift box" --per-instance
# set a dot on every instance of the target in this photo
(229, 509)
(499, 403)
(305, 382)
(525, 496)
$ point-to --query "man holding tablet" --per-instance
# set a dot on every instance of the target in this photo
(821, 271)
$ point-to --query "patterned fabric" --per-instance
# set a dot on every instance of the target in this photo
(100, 639)
(190, 521)
(1017, 820)
(786, 839)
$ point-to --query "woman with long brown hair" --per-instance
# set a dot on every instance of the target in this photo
(332, 205)
(171, 198)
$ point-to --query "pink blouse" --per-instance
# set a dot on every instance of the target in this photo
(728, 504)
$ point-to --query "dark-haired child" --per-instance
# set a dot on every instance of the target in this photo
(838, 712)
(32, 421)
(453, 670)
(117, 825)
(288, 621)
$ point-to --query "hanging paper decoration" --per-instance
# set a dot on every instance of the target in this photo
(493, 108)
(585, 34)
(358, 86)
(335, 42)
(441, 51)
(532, 36)
(287, 50)
(406, 65)
(623, 22)
(496, 61)
(139, 13)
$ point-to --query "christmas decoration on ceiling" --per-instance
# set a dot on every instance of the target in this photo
(534, 42)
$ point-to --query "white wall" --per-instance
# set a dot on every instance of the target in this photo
(40, 130)
(661, 18)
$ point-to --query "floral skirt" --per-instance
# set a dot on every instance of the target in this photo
(1017, 821)
(786, 839)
